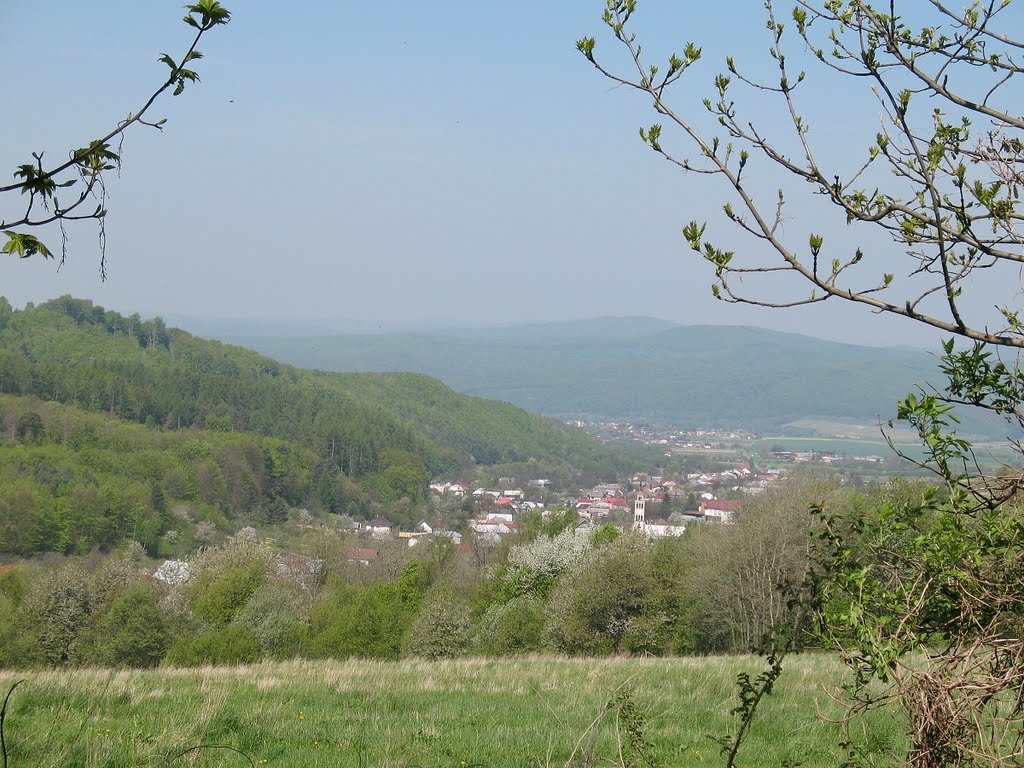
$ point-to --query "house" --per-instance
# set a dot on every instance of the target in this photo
(453, 489)
(363, 556)
(380, 526)
(301, 571)
(662, 528)
(491, 528)
(454, 536)
(720, 511)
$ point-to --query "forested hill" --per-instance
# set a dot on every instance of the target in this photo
(627, 369)
(73, 352)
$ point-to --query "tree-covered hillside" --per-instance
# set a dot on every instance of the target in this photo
(491, 432)
(710, 376)
(212, 425)
(73, 352)
(71, 481)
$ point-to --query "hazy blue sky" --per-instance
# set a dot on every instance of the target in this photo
(398, 163)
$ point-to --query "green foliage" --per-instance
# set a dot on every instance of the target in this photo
(534, 524)
(88, 480)
(15, 643)
(227, 644)
(368, 622)
(250, 438)
(607, 605)
(273, 617)
(218, 601)
(403, 476)
(29, 426)
(511, 628)
(923, 587)
(441, 630)
(736, 607)
(55, 615)
(606, 534)
(132, 632)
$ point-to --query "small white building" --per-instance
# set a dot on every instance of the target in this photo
(380, 527)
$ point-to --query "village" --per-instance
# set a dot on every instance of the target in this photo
(652, 505)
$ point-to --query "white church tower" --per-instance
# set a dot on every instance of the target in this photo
(639, 523)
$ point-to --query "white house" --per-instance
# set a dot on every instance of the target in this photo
(663, 528)
(380, 526)
(720, 511)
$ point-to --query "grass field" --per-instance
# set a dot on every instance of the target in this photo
(854, 430)
(531, 712)
(837, 445)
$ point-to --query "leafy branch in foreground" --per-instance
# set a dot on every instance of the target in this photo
(922, 596)
(943, 190)
(74, 189)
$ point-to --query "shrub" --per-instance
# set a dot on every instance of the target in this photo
(511, 628)
(132, 633)
(272, 617)
(219, 601)
(441, 630)
(533, 567)
(592, 609)
(54, 614)
(230, 644)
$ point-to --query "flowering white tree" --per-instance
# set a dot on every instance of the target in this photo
(534, 566)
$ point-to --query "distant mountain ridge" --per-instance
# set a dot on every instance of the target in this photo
(594, 327)
(638, 369)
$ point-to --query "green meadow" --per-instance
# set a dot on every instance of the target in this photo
(523, 712)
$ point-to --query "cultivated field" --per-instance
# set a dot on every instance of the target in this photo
(851, 429)
(531, 712)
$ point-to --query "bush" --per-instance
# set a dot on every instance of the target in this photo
(534, 567)
(220, 600)
(132, 633)
(593, 609)
(369, 623)
(54, 614)
(231, 644)
(511, 628)
(272, 617)
(441, 630)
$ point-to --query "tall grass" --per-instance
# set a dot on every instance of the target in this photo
(524, 712)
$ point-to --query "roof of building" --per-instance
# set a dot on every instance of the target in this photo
(724, 506)
(360, 554)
